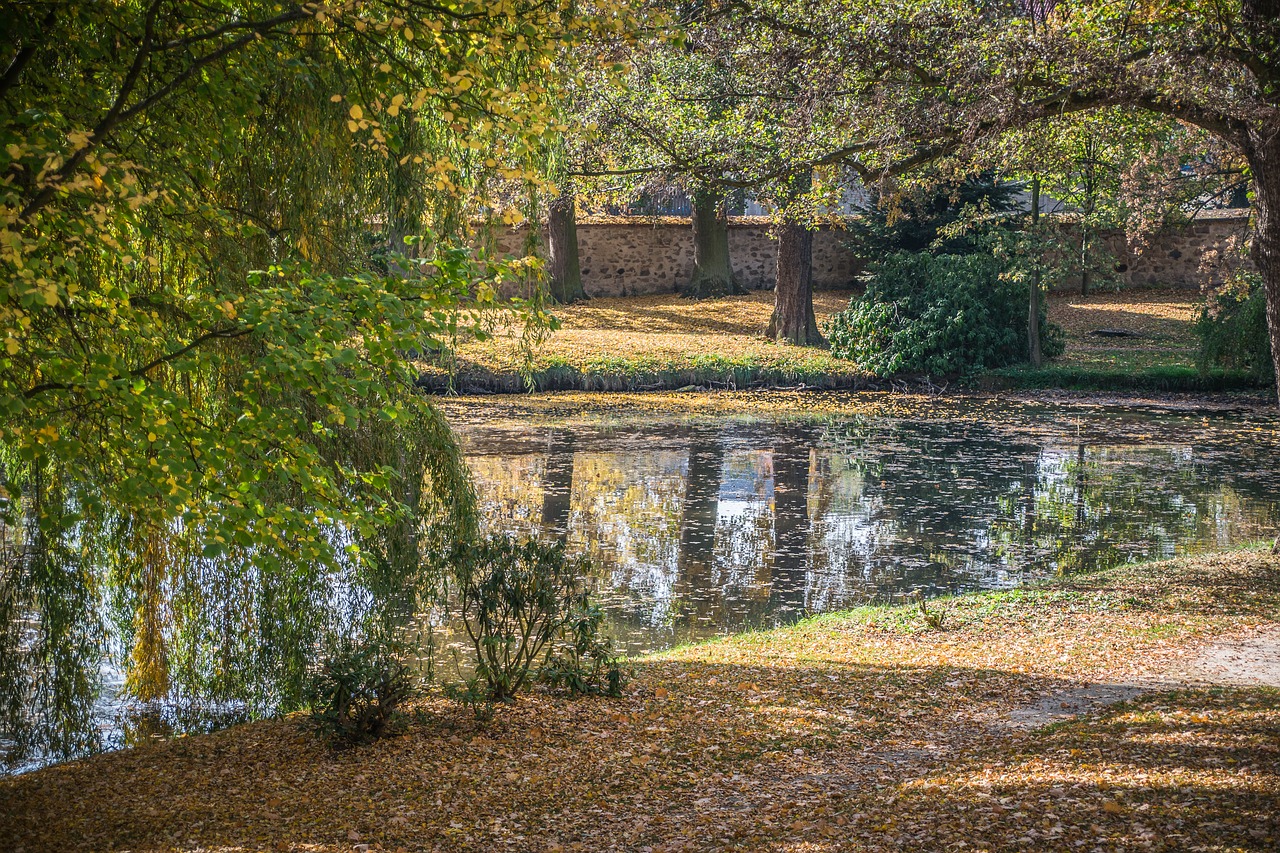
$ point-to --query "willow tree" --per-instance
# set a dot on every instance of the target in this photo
(207, 300)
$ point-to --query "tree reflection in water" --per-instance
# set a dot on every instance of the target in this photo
(701, 529)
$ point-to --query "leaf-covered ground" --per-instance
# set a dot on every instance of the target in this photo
(667, 342)
(1162, 319)
(855, 731)
(648, 342)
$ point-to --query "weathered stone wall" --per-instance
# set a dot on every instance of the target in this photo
(1173, 257)
(641, 256)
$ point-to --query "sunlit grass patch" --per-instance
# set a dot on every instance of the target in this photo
(665, 342)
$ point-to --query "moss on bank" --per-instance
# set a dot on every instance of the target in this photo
(1168, 378)
(853, 731)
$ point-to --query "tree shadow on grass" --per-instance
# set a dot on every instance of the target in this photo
(701, 756)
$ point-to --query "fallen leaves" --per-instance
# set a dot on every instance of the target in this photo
(848, 732)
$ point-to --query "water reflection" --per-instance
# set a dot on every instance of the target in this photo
(698, 527)
(702, 529)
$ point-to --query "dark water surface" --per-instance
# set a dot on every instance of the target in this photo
(703, 527)
(706, 525)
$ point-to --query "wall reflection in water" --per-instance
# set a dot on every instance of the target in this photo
(700, 530)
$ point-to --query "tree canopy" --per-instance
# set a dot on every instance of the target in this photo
(212, 288)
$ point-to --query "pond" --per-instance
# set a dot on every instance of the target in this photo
(705, 524)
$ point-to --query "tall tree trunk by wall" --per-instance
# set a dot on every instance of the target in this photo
(1262, 149)
(563, 268)
(793, 319)
(557, 485)
(712, 269)
(1084, 260)
(1033, 313)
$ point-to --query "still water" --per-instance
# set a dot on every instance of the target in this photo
(705, 525)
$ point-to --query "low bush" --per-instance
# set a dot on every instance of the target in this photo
(938, 315)
(1232, 328)
(356, 694)
(518, 598)
(584, 661)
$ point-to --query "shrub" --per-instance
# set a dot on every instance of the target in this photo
(517, 598)
(585, 661)
(473, 694)
(939, 315)
(356, 694)
(1232, 327)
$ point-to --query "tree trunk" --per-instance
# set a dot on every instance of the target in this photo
(1084, 261)
(562, 236)
(1033, 313)
(1262, 149)
(712, 270)
(793, 319)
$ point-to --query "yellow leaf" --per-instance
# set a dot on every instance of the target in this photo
(356, 112)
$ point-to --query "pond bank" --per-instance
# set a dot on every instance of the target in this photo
(858, 730)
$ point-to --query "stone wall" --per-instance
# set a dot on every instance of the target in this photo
(639, 257)
(1173, 257)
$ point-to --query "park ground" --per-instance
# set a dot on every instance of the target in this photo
(1125, 710)
(668, 343)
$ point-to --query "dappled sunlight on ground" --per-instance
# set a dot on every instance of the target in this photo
(1162, 319)
(861, 731)
(656, 334)
(651, 340)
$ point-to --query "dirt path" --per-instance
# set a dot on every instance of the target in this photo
(1252, 660)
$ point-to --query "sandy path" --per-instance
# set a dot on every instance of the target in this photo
(1252, 660)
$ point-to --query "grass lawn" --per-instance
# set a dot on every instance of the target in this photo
(1161, 358)
(865, 730)
(659, 342)
(668, 343)
(1163, 318)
